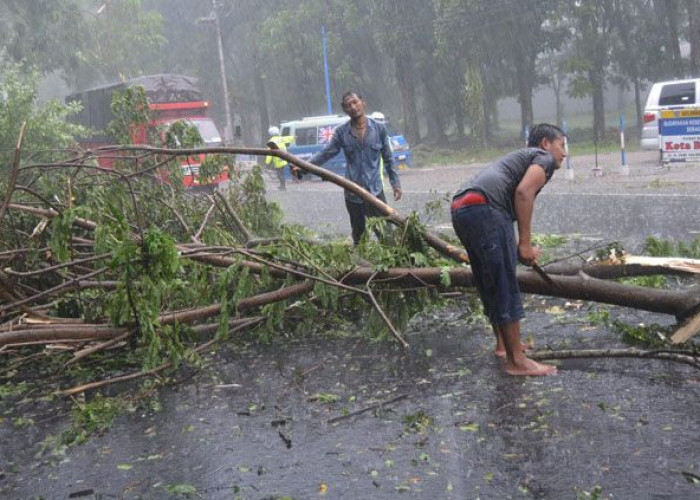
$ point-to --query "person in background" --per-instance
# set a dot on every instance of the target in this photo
(277, 142)
(365, 143)
(483, 211)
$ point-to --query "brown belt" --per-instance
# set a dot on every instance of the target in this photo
(468, 199)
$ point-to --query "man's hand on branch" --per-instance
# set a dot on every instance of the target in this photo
(527, 254)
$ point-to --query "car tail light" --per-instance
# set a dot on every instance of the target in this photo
(649, 117)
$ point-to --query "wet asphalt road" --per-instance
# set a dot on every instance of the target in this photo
(649, 201)
(256, 422)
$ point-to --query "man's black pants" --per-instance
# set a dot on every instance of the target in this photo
(358, 216)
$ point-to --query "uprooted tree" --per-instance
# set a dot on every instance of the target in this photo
(94, 258)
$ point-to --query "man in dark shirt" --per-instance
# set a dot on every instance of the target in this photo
(365, 143)
(483, 211)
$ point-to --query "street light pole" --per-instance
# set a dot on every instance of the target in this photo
(228, 133)
(329, 108)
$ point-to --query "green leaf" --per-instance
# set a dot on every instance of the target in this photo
(469, 427)
(445, 278)
(181, 489)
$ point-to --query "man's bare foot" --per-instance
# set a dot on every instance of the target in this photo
(500, 352)
(530, 368)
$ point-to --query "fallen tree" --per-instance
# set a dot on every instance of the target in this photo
(127, 259)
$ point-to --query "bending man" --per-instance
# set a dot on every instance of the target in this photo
(483, 211)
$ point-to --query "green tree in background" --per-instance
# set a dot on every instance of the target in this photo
(592, 33)
(47, 128)
(124, 40)
(46, 34)
(412, 59)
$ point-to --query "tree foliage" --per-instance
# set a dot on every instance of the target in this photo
(125, 40)
(46, 34)
(414, 60)
(47, 127)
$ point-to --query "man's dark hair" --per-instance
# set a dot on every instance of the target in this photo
(347, 95)
(543, 131)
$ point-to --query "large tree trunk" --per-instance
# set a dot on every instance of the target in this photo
(558, 88)
(638, 104)
(597, 79)
(433, 110)
(491, 121)
(460, 115)
(525, 87)
(622, 22)
(407, 87)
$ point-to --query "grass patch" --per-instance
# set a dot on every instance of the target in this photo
(656, 281)
(549, 240)
(664, 248)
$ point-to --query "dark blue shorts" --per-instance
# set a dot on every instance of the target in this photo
(489, 237)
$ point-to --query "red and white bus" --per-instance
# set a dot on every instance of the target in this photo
(170, 98)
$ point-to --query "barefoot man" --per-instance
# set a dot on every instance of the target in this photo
(483, 211)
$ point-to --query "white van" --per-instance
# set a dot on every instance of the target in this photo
(675, 94)
(310, 135)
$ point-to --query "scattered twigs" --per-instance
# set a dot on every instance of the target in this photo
(153, 371)
(283, 293)
(237, 222)
(49, 291)
(152, 168)
(204, 223)
(83, 353)
(50, 214)
(75, 262)
(298, 274)
(383, 315)
(366, 409)
(59, 333)
(179, 217)
(668, 355)
(338, 284)
(41, 198)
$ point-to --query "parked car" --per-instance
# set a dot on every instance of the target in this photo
(674, 94)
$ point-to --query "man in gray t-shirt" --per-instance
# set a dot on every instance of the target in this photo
(500, 179)
(483, 211)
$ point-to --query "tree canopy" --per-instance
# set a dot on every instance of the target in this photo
(437, 68)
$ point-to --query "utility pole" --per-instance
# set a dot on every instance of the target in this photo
(228, 133)
(329, 108)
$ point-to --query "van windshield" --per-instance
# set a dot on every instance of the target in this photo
(305, 136)
(677, 94)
